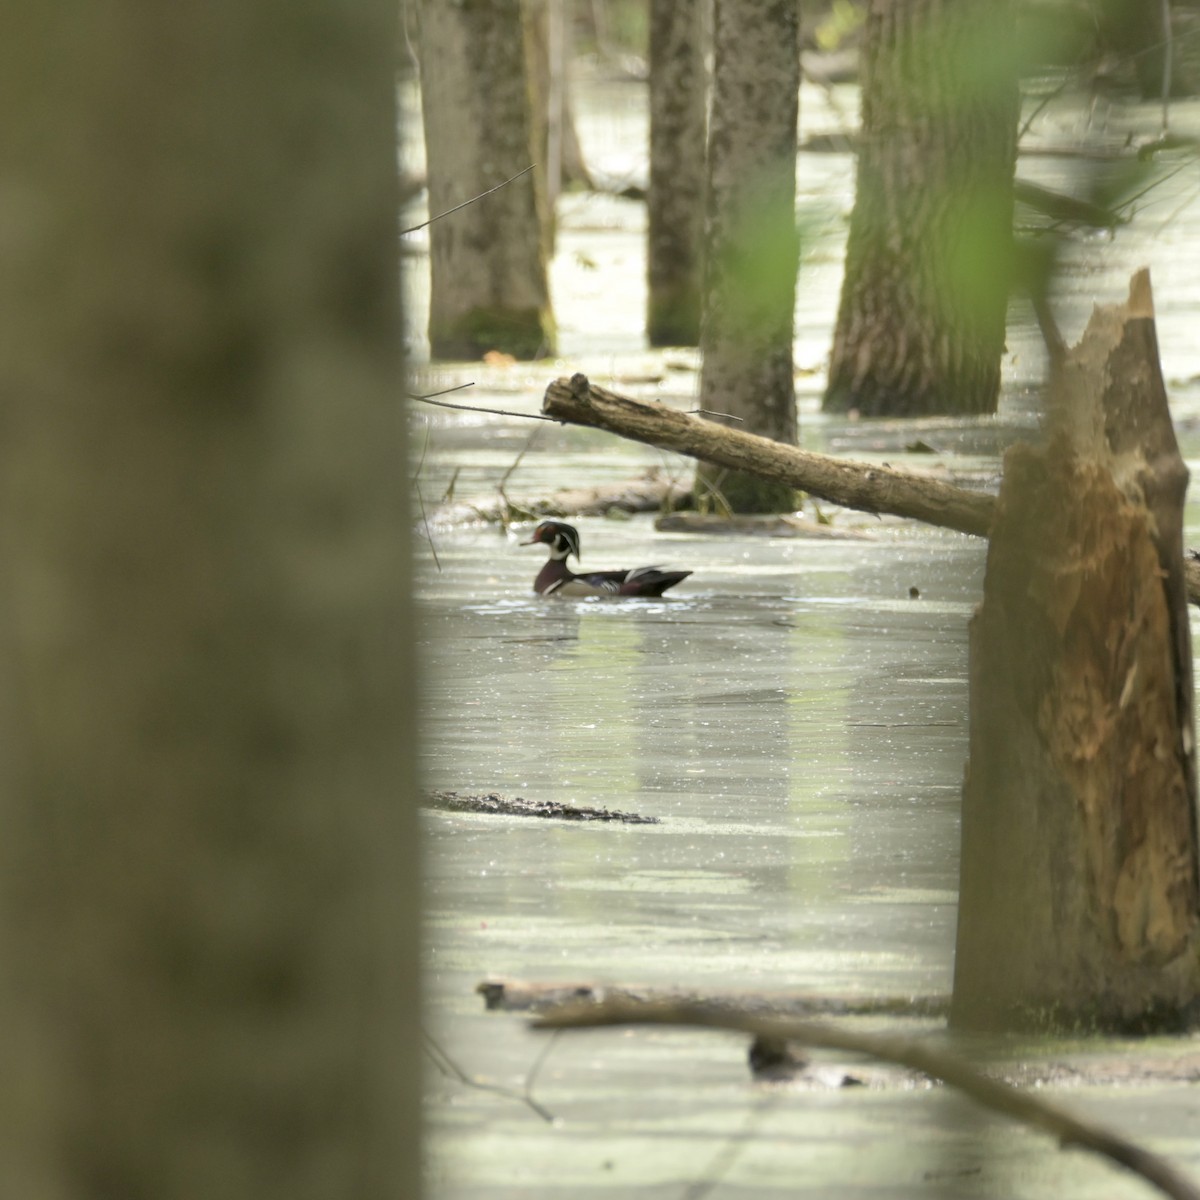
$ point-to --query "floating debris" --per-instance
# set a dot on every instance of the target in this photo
(517, 806)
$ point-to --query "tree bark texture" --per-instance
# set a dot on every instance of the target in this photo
(1079, 900)
(489, 288)
(675, 201)
(208, 885)
(853, 485)
(752, 244)
(920, 325)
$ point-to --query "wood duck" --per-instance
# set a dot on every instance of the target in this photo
(557, 579)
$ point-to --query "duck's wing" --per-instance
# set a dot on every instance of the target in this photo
(650, 581)
(593, 583)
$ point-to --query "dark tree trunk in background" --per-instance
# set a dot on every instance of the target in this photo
(678, 109)
(1079, 901)
(920, 325)
(487, 262)
(752, 244)
(208, 884)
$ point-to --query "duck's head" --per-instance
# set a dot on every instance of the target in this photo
(562, 538)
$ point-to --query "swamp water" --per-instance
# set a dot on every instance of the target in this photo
(791, 713)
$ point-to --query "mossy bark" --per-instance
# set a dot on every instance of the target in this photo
(752, 244)
(920, 325)
(675, 201)
(488, 282)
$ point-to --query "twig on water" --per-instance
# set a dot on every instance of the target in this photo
(429, 532)
(727, 1154)
(448, 1066)
(472, 200)
(416, 483)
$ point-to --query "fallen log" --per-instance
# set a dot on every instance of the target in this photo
(874, 489)
(505, 994)
(861, 486)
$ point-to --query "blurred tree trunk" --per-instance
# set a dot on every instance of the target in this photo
(752, 245)
(678, 109)
(920, 325)
(1080, 895)
(489, 289)
(208, 885)
(556, 148)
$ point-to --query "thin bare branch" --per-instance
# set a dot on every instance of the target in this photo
(448, 1066)
(991, 1093)
(437, 562)
(496, 412)
(516, 462)
(708, 412)
(416, 484)
(472, 200)
(531, 1078)
(458, 387)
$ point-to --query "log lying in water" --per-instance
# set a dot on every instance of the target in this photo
(873, 489)
(504, 994)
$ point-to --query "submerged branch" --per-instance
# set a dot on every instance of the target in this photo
(991, 1093)
(655, 491)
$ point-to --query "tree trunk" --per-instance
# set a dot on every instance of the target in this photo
(920, 325)
(487, 262)
(752, 244)
(675, 201)
(208, 886)
(1079, 898)
(549, 55)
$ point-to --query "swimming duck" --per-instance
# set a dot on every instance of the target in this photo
(557, 579)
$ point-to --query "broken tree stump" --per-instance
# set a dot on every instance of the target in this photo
(1079, 898)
